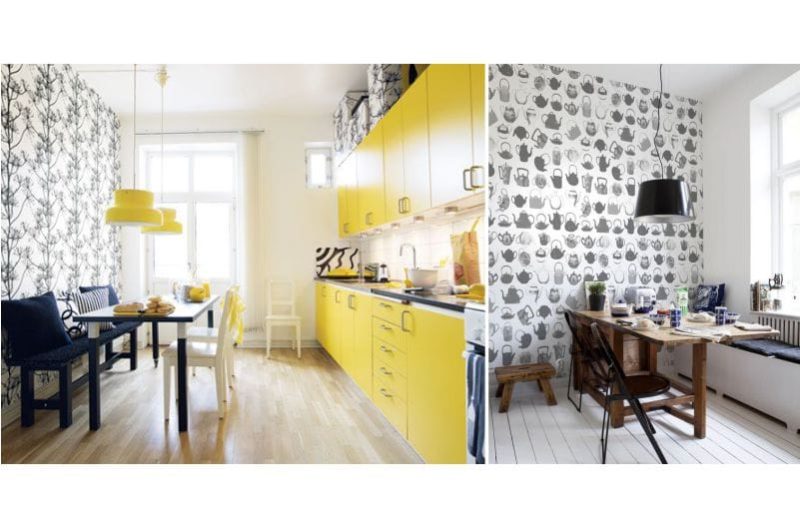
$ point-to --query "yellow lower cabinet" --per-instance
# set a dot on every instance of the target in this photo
(361, 363)
(337, 306)
(321, 292)
(389, 401)
(347, 332)
(437, 422)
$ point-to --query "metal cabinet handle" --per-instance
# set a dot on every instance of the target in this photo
(400, 205)
(407, 202)
(387, 328)
(476, 169)
(387, 372)
(383, 349)
(336, 296)
(385, 305)
(350, 299)
(403, 320)
(368, 218)
(385, 393)
(346, 227)
(464, 179)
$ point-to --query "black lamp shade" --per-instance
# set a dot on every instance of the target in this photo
(663, 201)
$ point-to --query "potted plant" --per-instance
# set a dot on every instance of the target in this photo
(597, 296)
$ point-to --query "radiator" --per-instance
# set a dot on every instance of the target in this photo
(788, 326)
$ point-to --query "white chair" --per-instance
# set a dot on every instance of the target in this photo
(204, 334)
(203, 354)
(281, 312)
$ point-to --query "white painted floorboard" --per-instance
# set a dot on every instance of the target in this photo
(534, 432)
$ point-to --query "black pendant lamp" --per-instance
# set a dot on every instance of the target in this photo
(662, 200)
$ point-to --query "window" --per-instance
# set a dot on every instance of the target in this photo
(786, 181)
(318, 166)
(199, 183)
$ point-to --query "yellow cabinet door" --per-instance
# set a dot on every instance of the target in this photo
(348, 204)
(416, 158)
(321, 313)
(362, 346)
(369, 172)
(393, 172)
(477, 74)
(337, 306)
(450, 131)
(346, 330)
(437, 420)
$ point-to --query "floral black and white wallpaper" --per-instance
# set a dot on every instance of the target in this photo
(567, 154)
(60, 166)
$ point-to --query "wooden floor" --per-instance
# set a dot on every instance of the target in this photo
(533, 432)
(282, 410)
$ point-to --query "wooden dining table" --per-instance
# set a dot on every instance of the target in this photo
(185, 314)
(637, 351)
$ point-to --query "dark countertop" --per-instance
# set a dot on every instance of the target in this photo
(448, 302)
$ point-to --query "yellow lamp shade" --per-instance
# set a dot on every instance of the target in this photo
(133, 207)
(169, 226)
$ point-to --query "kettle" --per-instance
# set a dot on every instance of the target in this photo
(383, 273)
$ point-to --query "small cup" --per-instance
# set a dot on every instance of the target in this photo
(675, 317)
(720, 314)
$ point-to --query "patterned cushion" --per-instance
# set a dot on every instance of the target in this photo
(33, 326)
(112, 293)
(91, 301)
(708, 296)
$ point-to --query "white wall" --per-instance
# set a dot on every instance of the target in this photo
(731, 235)
(292, 220)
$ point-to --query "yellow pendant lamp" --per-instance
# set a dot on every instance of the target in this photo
(133, 207)
(169, 224)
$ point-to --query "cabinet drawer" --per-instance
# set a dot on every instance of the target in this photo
(388, 332)
(389, 311)
(390, 355)
(392, 379)
(392, 407)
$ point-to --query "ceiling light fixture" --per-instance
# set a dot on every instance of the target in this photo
(662, 200)
(133, 207)
(450, 210)
(169, 225)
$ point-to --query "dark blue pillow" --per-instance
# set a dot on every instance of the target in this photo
(112, 293)
(33, 326)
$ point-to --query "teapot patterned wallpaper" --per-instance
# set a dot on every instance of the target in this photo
(567, 154)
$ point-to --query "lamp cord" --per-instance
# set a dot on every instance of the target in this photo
(658, 117)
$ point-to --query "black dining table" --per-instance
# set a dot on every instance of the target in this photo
(185, 314)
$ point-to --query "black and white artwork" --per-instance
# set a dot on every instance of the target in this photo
(331, 258)
(568, 152)
(60, 166)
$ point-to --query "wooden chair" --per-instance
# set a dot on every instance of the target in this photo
(203, 354)
(204, 334)
(508, 376)
(281, 312)
(622, 388)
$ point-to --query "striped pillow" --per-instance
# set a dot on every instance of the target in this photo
(91, 301)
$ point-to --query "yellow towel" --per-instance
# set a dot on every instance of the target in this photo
(236, 319)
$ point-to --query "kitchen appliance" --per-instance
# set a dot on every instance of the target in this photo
(475, 359)
(645, 299)
(376, 272)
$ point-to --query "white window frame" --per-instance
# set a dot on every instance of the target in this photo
(319, 148)
(191, 199)
(780, 175)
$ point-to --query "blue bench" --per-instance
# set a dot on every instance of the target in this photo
(60, 360)
(770, 348)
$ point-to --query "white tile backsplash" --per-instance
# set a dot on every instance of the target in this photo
(432, 242)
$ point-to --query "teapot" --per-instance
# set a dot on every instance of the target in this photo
(505, 173)
(555, 220)
(506, 274)
(521, 178)
(625, 134)
(524, 277)
(519, 200)
(540, 181)
(536, 200)
(503, 221)
(602, 163)
(556, 178)
(573, 131)
(512, 295)
(588, 274)
(555, 84)
(507, 355)
(541, 330)
(558, 273)
(510, 114)
(550, 121)
(524, 339)
(523, 221)
(602, 225)
(589, 257)
(540, 138)
(571, 108)
(572, 175)
(544, 311)
(630, 117)
(630, 253)
(617, 116)
(540, 101)
(524, 152)
(520, 132)
(505, 238)
(541, 221)
(573, 261)
(574, 278)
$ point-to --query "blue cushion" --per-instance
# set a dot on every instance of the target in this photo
(708, 296)
(112, 293)
(789, 354)
(33, 326)
(764, 347)
(55, 357)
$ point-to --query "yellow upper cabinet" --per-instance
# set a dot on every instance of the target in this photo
(477, 73)
(450, 131)
(393, 162)
(348, 199)
(436, 385)
(416, 158)
(369, 173)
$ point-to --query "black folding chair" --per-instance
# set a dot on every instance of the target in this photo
(584, 355)
(621, 381)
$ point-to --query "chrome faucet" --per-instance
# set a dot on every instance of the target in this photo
(413, 252)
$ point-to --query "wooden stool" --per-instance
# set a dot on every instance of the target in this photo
(508, 376)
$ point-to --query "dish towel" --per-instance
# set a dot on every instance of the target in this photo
(476, 414)
(717, 336)
(752, 327)
(235, 318)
